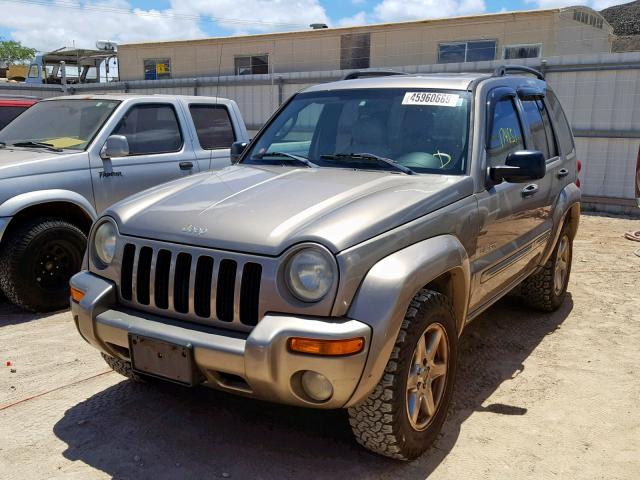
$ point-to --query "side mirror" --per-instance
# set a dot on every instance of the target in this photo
(520, 167)
(115, 146)
(237, 148)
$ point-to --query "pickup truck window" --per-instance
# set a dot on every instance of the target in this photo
(213, 126)
(151, 129)
(8, 114)
(418, 129)
(506, 134)
(68, 124)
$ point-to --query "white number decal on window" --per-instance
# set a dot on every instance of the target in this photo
(431, 98)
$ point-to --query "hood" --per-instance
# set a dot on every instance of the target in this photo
(18, 162)
(264, 210)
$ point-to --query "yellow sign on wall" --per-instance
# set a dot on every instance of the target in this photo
(161, 68)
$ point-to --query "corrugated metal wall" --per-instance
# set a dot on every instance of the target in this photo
(600, 94)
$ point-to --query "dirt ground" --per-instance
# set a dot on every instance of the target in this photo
(537, 396)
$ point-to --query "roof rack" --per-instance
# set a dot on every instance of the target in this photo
(503, 70)
(371, 73)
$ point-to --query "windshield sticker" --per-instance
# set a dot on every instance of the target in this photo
(431, 98)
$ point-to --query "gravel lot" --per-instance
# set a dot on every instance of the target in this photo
(537, 396)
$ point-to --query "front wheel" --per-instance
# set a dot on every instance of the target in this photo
(36, 262)
(403, 415)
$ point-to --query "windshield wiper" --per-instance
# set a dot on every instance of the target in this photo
(3, 144)
(29, 144)
(370, 156)
(289, 156)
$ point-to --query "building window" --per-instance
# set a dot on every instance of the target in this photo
(355, 50)
(472, 51)
(587, 18)
(252, 64)
(521, 51)
(157, 68)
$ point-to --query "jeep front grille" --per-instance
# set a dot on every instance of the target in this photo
(191, 284)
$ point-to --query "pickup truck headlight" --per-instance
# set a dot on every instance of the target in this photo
(310, 274)
(104, 243)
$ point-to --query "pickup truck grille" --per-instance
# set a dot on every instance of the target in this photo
(191, 284)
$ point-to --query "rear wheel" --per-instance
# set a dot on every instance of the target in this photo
(37, 260)
(403, 415)
(547, 289)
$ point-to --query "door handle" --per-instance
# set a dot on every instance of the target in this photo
(530, 190)
(563, 172)
(186, 165)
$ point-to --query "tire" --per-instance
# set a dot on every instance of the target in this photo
(122, 367)
(544, 290)
(37, 260)
(382, 423)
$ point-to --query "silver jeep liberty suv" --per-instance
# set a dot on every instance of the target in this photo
(336, 264)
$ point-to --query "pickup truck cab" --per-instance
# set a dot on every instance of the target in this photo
(337, 264)
(65, 160)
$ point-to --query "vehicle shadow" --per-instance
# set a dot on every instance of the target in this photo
(12, 315)
(164, 431)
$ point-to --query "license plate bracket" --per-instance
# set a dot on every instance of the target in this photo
(166, 360)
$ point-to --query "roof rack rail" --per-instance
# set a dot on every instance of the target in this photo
(371, 73)
(503, 70)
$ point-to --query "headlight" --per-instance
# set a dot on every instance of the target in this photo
(104, 242)
(310, 274)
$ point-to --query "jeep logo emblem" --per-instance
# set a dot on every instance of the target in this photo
(194, 229)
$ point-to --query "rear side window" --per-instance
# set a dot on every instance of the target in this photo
(151, 129)
(7, 114)
(551, 138)
(536, 127)
(506, 133)
(565, 139)
(213, 126)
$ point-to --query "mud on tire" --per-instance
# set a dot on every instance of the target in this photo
(381, 423)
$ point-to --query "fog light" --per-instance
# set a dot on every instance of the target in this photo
(317, 386)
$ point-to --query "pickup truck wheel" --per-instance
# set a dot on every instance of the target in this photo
(547, 289)
(37, 260)
(121, 367)
(403, 415)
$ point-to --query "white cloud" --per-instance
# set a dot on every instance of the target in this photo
(47, 27)
(398, 10)
(359, 18)
(257, 15)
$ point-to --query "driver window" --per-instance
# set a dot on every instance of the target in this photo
(506, 134)
(297, 132)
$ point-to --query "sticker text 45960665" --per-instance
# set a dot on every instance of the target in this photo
(431, 98)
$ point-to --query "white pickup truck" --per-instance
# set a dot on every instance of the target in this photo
(67, 159)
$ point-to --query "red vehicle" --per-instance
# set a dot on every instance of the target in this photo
(11, 106)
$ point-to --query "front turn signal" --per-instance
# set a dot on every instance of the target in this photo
(330, 348)
(76, 294)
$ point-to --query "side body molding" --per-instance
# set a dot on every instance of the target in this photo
(25, 200)
(386, 292)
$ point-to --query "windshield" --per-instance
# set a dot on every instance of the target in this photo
(68, 124)
(425, 131)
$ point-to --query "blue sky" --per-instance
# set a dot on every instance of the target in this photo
(50, 24)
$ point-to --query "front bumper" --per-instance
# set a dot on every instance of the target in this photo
(257, 364)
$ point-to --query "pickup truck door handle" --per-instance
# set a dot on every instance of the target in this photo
(563, 172)
(186, 165)
(530, 190)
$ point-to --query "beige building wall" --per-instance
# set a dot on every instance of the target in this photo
(408, 43)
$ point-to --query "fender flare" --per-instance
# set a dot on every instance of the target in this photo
(567, 203)
(25, 200)
(388, 288)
